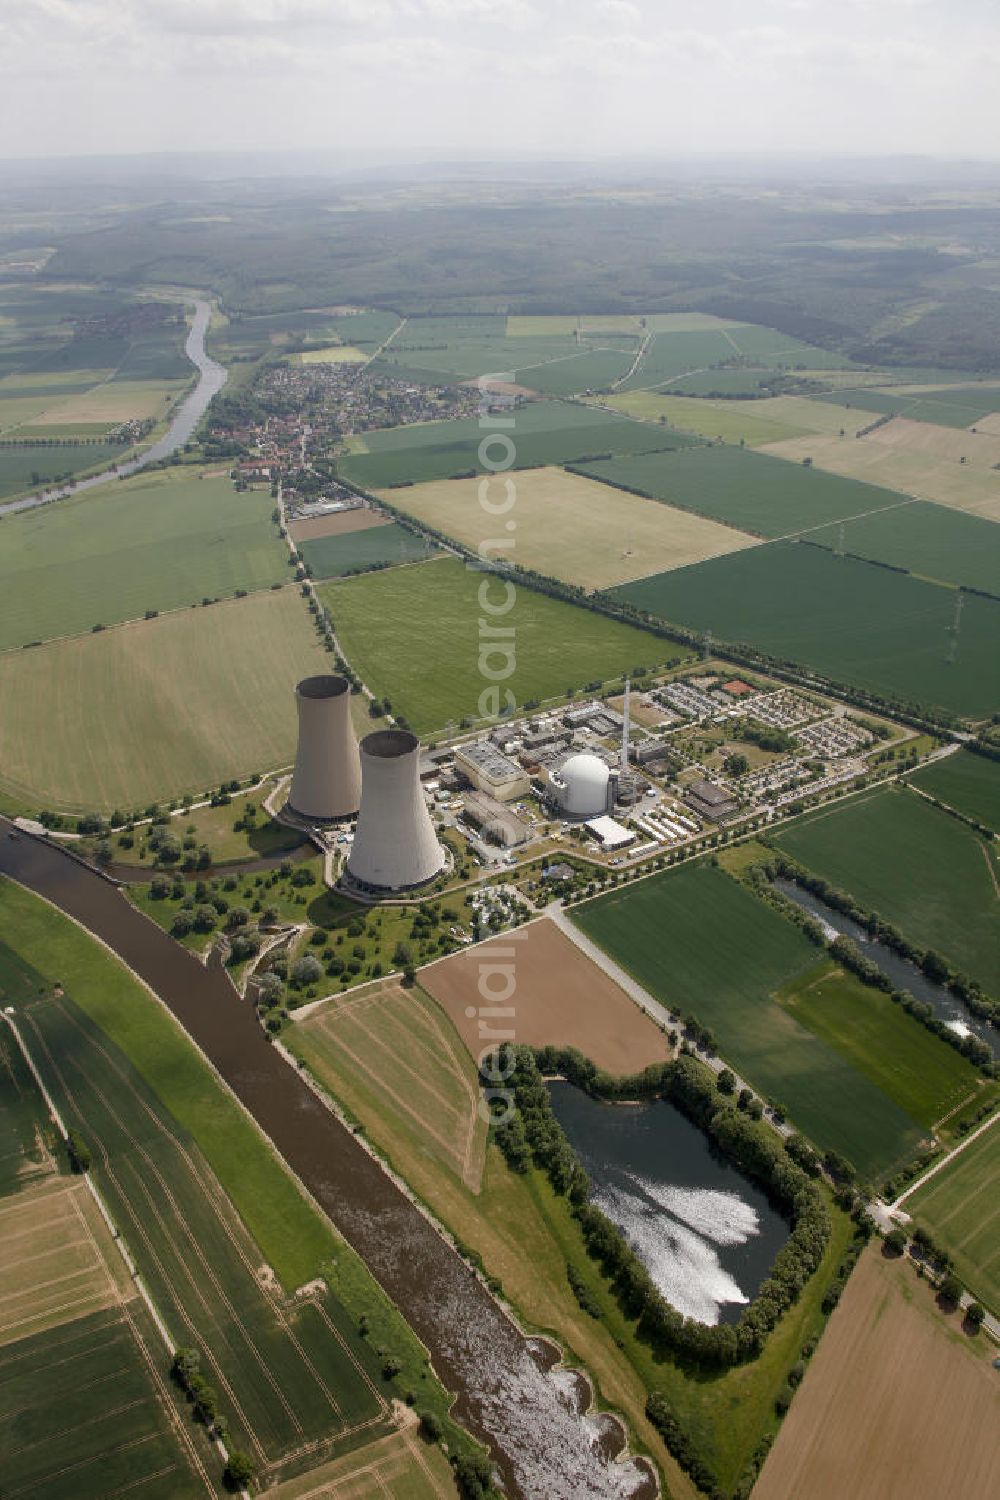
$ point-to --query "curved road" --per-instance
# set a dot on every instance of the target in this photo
(544, 1450)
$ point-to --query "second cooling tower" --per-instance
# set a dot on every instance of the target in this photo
(326, 783)
(395, 847)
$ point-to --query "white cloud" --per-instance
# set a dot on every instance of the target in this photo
(614, 75)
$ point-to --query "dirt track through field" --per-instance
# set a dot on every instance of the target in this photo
(892, 1407)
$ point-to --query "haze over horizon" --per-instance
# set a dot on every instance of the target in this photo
(576, 77)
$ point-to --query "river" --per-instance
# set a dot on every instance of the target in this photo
(544, 1443)
(903, 974)
(706, 1234)
(211, 378)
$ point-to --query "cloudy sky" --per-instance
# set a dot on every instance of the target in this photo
(549, 76)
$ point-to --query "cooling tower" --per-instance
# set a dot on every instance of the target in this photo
(395, 847)
(327, 778)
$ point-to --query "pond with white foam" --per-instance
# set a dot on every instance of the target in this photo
(706, 1233)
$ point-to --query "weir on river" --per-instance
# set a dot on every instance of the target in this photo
(543, 1443)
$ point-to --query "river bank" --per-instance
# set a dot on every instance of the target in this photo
(542, 1445)
(211, 378)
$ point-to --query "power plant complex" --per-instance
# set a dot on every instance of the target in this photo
(395, 847)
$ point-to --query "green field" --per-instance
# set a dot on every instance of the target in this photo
(970, 783)
(949, 901)
(671, 354)
(294, 1238)
(544, 432)
(353, 551)
(287, 1374)
(413, 635)
(961, 407)
(850, 621)
(23, 468)
(960, 1206)
(749, 490)
(586, 370)
(84, 1415)
(26, 1135)
(725, 421)
(704, 945)
(932, 541)
(158, 541)
(156, 709)
(922, 1074)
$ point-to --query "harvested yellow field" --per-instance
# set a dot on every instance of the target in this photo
(398, 1467)
(117, 401)
(727, 421)
(335, 354)
(814, 416)
(158, 708)
(544, 325)
(895, 1405)
(396, 1047)
(688, 322)
(52, 1269)
(915, 458)
(611, 323)
(990, 425)
(570, 527)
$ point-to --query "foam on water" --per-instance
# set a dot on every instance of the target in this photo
(684, 1265)
(723, 1218)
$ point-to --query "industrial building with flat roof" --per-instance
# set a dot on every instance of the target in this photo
(497, 822)
(490, 771)
(612, 834)
(711, 801)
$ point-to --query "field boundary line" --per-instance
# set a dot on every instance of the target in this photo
(372, 1076)
(993, 873)
(201, 1297)
(126, 1256)
(879, 510)
(945, 1160)
(133, 1270)
(960, 1105)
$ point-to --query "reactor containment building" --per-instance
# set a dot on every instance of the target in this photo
(326, 782)
(395, 847)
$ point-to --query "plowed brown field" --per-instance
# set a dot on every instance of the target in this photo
(896, 1405)
(560, 998)
(336, 524)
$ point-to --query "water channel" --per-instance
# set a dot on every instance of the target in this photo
(211, 378)
(545, 1442)
(903, 974)
(706, 1234)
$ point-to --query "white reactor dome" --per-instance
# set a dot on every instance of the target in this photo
(582, 785)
